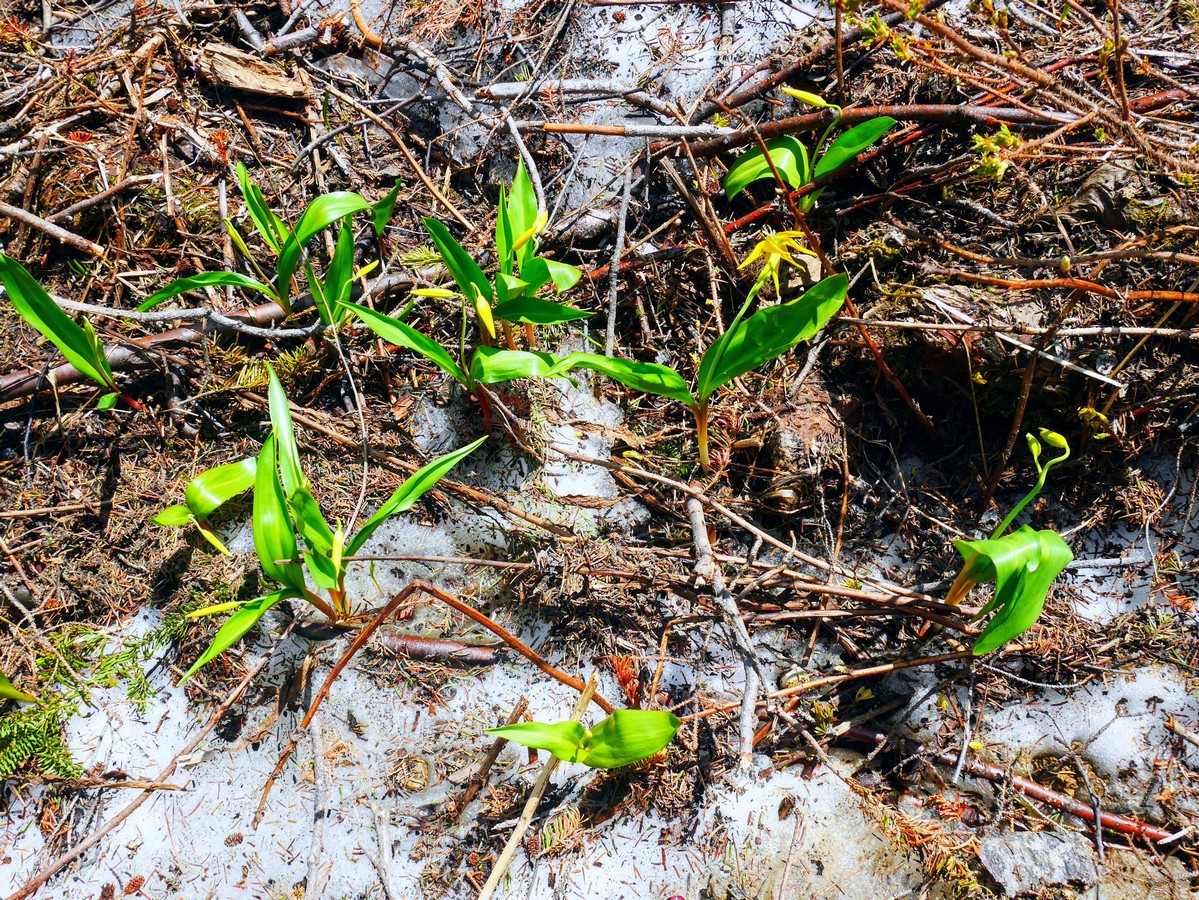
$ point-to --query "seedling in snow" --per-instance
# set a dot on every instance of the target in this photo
(329, 293)
(1023, 564)
(746, 345)
(522, 273)
(626, 736)
(792, 160)
(79, 345)
(285, 508)
(206, 493)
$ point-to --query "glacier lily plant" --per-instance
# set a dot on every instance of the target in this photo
(79, 344)
(624, 737)
(294, 542)
(329, 292)
(1023, 564)
(511, 296)
(790, 158)
(745, 345)
(206, 493)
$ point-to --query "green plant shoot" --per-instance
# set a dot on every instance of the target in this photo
(1023, 564)
(292, 537)
(288, 244)
(791, 159)
(626, 736)
(9, 691)
(747, 344)
(522, 273)
(79, 345)
(205, 494)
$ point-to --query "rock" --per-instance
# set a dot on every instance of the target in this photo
(1030, 860)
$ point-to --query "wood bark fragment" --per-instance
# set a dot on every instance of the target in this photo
(225, 66)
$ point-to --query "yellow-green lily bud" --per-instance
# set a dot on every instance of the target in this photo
(807, 98)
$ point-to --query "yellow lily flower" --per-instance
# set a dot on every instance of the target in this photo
(776, 247)
(483, 312)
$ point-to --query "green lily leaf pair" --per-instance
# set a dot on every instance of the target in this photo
(79, 344)
(747, 344)
(1023, 564)
(294, 542)
(205, 494)
(328, 293)
(792, 160)
(626, 736)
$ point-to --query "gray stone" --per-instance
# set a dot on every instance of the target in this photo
(1030, 860)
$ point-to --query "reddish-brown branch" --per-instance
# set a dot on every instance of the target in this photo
(1072, 284)
(1125, 825)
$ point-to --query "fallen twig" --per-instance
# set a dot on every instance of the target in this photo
(1124, 825)
(755, 675)
(48, 228)
(438, 649)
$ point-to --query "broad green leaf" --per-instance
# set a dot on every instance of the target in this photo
(414, 487)
(203, 280)
(651, 378)
(563, 739)
(790, 158)
(318, 296)
(38, 309)
(285, 435)
(108, 401)
(9, 691)
(539, 271)
(628, 735)
(236, 627)
(382, 209)
(461, 264)
(851, 143)
(207, 491)
(491, 365)
(310, 521)
(269, 225)
(173, 516)
(1023, 565)
(321, 213)
(339, 276)
(534, 311)
(396, 332)
(522, 213)
(274, 538)
(768, 334)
